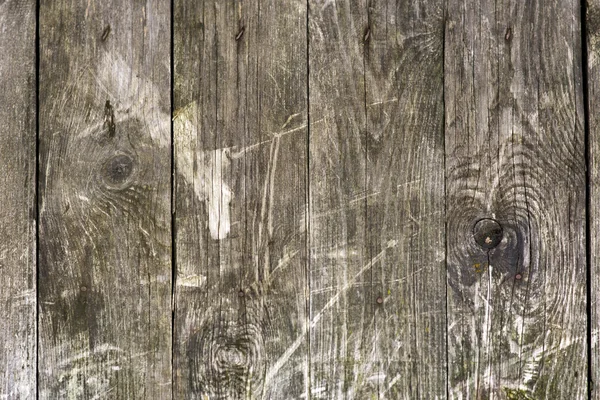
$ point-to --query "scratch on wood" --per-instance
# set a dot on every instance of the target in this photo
(333, 300)
(377, 103)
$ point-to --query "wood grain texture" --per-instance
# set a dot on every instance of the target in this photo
(240, 129)
(377, 274)
(404, 144)
(342, 299)
(515, 153)
(593, 85)
(17, 199)
(105, 222)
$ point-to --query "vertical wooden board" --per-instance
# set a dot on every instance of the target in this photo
(376, 227)
(515, 180)
(240, 130)
(405, 233)
(342, 345)
(17, 196)
(593, 85)
(105, 222)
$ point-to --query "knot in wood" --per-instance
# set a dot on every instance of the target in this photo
(117, 170)
(487, 233)
(230, 358)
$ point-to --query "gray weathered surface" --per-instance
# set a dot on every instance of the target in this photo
(404, 143)
(377, 275)
(240, 131)
(515, 152)
(593, 71)
(372, 199)
(341, 297)
(17, 200)
(105, 223)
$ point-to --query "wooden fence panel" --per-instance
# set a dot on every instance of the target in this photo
(362, 199)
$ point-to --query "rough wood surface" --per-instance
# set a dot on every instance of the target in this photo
(240, 130)
(515, 154)
(593, 74)
(17, 200)
(342, 302)
(105, 222)
(404, 144)
(377, 274)
(369, 199)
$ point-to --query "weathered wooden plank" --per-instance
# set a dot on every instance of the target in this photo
(240, 126)
(593, 97)
(17, 199)
(341, 297)
(515, 156)
(404, 143)
(377, 200)
(105, 222)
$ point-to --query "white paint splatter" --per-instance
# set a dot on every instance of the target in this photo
(135, 94)
(315, 391)
(217, 192)
(191, 280)
(378, 378)
(209, 178)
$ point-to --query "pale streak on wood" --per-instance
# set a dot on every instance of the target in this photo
(17, 201)
(209, 179)
(515, 153)
(136, 96)
(105, 234)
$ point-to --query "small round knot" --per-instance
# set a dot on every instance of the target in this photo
(380, 300)
(487, 233)
(518, 277)
(230, 357)
(117, 170)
